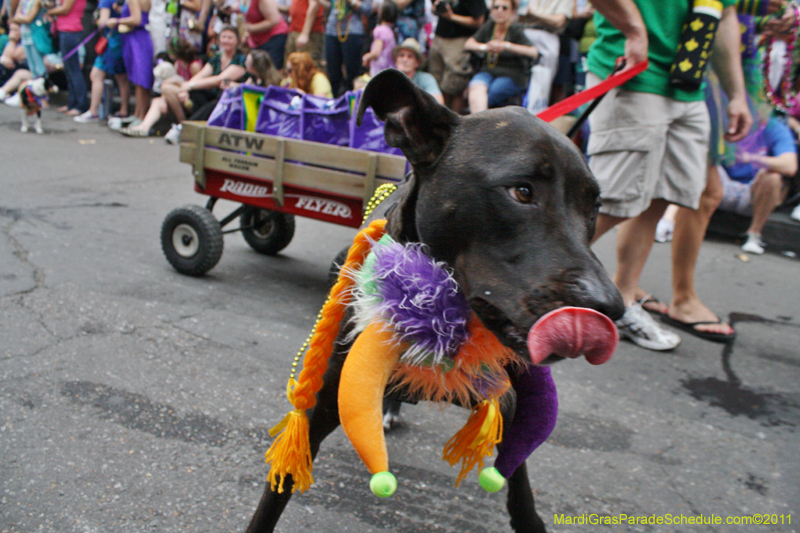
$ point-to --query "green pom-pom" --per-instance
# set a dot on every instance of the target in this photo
(383, 484)
(491, 480)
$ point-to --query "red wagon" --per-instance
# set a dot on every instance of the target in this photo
(274, 179)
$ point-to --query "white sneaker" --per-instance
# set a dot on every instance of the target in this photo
(86, 118)
(173, 136)
(754, 244)
(638, 326)
(13, 100)
(116, 123)
(664, 230)
(796, 213)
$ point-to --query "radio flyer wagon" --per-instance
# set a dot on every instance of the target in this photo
(274, 179)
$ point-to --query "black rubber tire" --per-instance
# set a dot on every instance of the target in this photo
(274, 233)
(336, 265)
(191, 239)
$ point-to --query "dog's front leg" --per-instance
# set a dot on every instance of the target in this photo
(521, 508)
(323, 420)
(520, 503)
(37, 125)
(24, 127)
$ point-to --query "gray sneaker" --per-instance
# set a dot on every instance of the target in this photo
(638, 326)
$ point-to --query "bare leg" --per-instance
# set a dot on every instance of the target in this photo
(18, 78)
(142, 102)
(605, 223)
(690, 229)
(458, 103)
(634, 241)
(124, 94)
(157, 109)
(768, 193)
(170, 95)
(96, 76)
(478, 97)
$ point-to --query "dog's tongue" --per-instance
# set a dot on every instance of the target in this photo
(572, 332)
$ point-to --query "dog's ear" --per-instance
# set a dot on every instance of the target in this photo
(415, 122)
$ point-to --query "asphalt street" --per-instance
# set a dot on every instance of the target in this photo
(137, 399)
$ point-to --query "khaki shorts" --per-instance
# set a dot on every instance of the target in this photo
(644, 146)
(314, 46)
(449, 64)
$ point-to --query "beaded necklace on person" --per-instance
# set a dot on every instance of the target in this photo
(492, 58)
(341, 13)
(785, 99)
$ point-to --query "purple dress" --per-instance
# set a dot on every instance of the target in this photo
(137, 52)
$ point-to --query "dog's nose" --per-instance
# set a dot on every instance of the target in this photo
(602, 295)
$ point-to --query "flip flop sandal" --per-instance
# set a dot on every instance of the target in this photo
(690, 327)
(130, 132)
(652, 300)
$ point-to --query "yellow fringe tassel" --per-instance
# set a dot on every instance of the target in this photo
(290, 452)
(476, 439)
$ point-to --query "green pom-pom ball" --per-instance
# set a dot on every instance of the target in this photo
(491, 480)
(383, 484)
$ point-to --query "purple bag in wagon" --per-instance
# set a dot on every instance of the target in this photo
(368, 136)
(238, 107)
(281, 113)
(326, 120)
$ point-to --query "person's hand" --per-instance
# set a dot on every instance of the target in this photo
(448, 14)
(775, 5)
(779, 25)
(587, 12)
(496, 46)
(183, 96)
(7, 62)
(112, 23)
(739, 120)
(301, 42)
(635, 50)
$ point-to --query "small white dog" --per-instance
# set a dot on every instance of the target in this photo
(164, 70)
(31, 94)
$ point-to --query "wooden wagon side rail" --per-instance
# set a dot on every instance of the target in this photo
(285, 162)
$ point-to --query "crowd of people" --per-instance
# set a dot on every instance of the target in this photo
(664, 139)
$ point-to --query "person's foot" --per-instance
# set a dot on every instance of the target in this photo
(649, 302)
(754, 244)
(173, 136)
(62, 109)
(693, 312)
(796, 213)
(86, 118)
(13, 100)
(637, 326)
(73, 113)
(664, 230)
(118, 122)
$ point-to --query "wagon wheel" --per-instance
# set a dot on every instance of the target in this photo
(267, 232)
(191, 239)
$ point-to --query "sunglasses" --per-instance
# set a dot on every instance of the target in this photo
(501, 8)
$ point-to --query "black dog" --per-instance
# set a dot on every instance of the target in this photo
(509, 204)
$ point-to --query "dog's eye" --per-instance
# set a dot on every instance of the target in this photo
(523, 194)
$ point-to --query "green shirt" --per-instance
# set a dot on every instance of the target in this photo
(664, 21)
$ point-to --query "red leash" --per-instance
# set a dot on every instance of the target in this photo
(576, 100)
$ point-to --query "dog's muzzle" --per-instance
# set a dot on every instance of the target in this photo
(572, 332)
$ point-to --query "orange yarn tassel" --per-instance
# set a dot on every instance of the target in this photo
(290, 452)
(476, 439)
